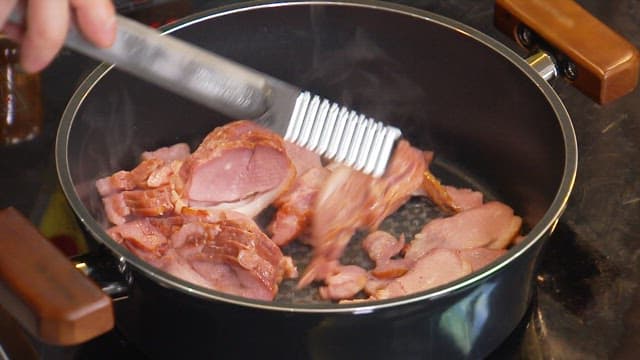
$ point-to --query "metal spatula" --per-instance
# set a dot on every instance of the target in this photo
(317, 124)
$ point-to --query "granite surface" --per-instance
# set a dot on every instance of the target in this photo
(588, 300)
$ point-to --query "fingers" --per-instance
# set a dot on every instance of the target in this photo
(47, 23)
(96, 20)
(6, 6)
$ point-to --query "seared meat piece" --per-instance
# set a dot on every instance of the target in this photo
(294, 207)
(436, 268)
(143, 239)
(400, 181)
(381, 247)
(344, 282)
(232, 256)
(302, 159)
(239, 166)
(491, 225)
(464, 199)
(340, 209)
(168, 154)
(448, 198)
(129, 180)
(350, 200)
(480, 257)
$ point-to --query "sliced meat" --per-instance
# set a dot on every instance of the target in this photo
(448, 198)
(400, 181)
(382, 246)
(237, 162)
(142, 238)
(128, 180)
(438, 194)
(344, 283)
(438, 267)
(294, 207)
(350, 200)
(464, 199)
(116, 209)
(338, 212)
(149, 202)
(167, 154)
(232, 257)
(480, 257)
(491, 225)
(302, 159)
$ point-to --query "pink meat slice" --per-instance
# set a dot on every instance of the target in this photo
(491, 225)
(233, 258)
(240, 166)
(344, 282)
(129, 180)
(143, 239)
(480, 257)
(400, 181)
(350, 200)
(235, 162)
(295, 206)
(339, 210)
(179, 151)
(438, 267)
(302, 159)
(448, 198)
(463, 198)
(381, 247)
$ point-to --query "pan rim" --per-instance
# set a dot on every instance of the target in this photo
(546, 224)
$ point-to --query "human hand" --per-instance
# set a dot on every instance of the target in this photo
(46, 23)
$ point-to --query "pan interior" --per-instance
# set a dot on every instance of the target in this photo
(488, 123)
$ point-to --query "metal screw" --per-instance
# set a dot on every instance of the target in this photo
(525, 36)
(569, 70)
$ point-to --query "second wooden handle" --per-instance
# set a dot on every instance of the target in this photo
(42, 289)
(606, 65)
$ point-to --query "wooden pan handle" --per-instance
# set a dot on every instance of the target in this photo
(43, 290)
(601, 63)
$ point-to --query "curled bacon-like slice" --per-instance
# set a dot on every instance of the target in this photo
(302, 159)
(179, 151)
(295, 206)
(491, 225)
(436, 268)
(344, 283)
(400, 181)
(349, 200)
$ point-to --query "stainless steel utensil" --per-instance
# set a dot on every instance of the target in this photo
(330, 130)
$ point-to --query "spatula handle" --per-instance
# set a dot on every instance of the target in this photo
(180, 67)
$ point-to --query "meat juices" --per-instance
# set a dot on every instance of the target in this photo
(192, 215)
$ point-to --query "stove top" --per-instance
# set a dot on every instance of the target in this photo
(587, 303)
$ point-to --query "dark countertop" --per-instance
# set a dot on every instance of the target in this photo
(588, 299)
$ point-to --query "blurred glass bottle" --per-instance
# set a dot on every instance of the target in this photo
(21, 107)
